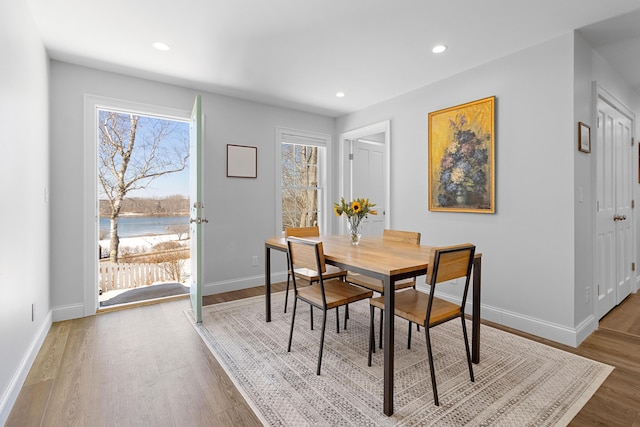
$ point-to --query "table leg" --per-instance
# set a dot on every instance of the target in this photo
(267, 282)
(389, 318)
(475, 330)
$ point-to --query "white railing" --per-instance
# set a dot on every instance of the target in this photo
(113, 276)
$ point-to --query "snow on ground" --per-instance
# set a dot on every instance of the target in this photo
(110, 294)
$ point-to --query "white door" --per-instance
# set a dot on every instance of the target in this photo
(614, 243)
(351, 170)
(369, 178)
(195, 220)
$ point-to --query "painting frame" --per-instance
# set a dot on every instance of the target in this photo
(584, 137)
(462, 158)
(242, 161)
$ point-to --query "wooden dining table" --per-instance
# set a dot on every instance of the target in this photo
(389, 262)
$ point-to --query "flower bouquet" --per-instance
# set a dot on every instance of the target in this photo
(355, 212)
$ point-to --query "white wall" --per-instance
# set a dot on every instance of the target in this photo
(528, 244)
(241, 212)
(24, 214)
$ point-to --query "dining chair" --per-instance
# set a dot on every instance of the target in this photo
(326, 294)
(377, 285)
(445, 263)
(310, 276)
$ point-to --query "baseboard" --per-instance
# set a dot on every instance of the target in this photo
(531, 325)
(11, 394)
(585, 328)
(242, 283)
(68, 312)
(541, 328)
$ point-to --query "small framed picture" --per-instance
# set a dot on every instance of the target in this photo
(242, 161)
(584, 137)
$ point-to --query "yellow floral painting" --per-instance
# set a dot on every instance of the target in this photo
(461, 158)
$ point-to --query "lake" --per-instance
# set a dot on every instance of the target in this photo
(132, 226)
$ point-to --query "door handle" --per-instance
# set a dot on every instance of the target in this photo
(198, 220)
(619, 217)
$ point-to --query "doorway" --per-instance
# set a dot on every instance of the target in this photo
(365, 172)
(614, 202)
(163, 218)
(143, 202)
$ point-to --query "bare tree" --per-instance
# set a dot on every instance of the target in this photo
(182, 231)
(135, 150)
(300, 182)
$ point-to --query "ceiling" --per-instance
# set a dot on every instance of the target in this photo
(300, 53)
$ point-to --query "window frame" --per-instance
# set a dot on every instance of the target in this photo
(320, 140)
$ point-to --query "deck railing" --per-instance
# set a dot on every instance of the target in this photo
(137, 271)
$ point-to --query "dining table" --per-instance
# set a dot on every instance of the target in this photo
(389, 262)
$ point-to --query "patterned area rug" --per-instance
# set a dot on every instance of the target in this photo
(518, 381)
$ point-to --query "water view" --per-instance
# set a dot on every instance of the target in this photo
(132, 226)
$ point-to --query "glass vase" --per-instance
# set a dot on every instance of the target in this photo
(354, 232)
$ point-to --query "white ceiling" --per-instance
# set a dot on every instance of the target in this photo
(299, 53)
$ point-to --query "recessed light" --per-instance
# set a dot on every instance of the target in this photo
(161, 46)
(439, 48)
(340, 94)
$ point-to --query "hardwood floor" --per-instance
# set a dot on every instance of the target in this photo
(148, 366)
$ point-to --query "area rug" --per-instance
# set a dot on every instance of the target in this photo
(518, 382)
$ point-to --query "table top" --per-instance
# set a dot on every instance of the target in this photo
(372, 254)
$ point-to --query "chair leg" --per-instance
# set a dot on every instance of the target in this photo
(409, 336)
(324, 324)
(337, 320)
(417, 325)
(373, 328)
(346, 316)
(293, 319)
(372, 335)
(466, 346)
(286, 293)
(381, 326)
(311, 310)
(431, 367)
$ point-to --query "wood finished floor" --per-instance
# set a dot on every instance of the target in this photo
(148, 366)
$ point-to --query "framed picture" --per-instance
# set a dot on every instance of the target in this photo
(461, 158)
(242, 161)
(584, 138)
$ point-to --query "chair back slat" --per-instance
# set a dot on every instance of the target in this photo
(401, 236)
(302, 231)
(306, 254)
(448, 263)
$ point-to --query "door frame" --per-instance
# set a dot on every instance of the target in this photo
(91, 213)
(345, 173)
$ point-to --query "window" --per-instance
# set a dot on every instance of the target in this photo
(302, 179)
